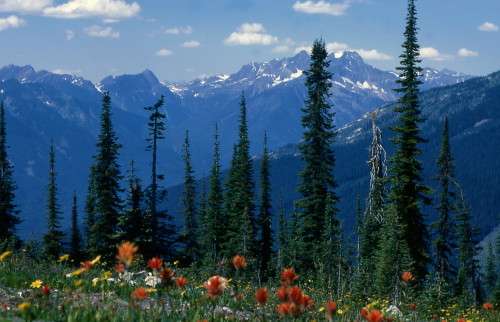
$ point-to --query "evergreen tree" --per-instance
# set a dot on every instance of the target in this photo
(467, 286)
(75, 245)
(239, 198)
(373, 216)
(189, 237)
(407, 192)
(282, 237)
(332, 260)
(316, 179)
(103, 202)
(214, 220)
(265, 215)
(53, 245)
(159, 229)
(9, 214)
(131, 222)
(490, 274)
(444, 243)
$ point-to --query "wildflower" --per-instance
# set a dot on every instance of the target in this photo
(282, 293)
(412, 306)
(75, 273)
(36, 284)
(239, 297)
(284, 309)
(126, 252)
(166, 275)
(461, 320)
(487, 306)
(296, 295)
(331, 307)
(4, 255)
(119, 267)
(152, 280)
(46, 290)
(95, 281)
(24, 306)
(261, 296)
(435, 316)
(364, 313)
(407, 277)
(373, 316)
(289, 276)
(307, 302)
(340, 311)
(63, 258)
(87, 265)
(96, 260)
(389, 319)
(155, 263)
(180, 282)
(239, 262)
(5, 305)
(215, 285)
(139, 294)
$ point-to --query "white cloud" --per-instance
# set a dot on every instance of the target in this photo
(281, 49)
(488, 26)
(250, 34)
(98, 31)
(70, 34)
(111, 9)
(180, 30)
(464, 52)
(433, 54)
(336, 46)
(164, 52)
(24, 5)
(323, 7)
(306, 48)
(61, 71)
(373, 54)
(11, 22)
(191, 44)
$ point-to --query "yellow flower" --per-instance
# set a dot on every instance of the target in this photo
(24, 306)
(75, 273)
(321, 309)
(36, 284)
(95, 281)
(340, 311)
(151, 290)
(176, 263)
(4, 255)
(78, 282)
(96, 260)
(63, 258)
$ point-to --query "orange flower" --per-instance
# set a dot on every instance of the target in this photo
(282, 293)
(364, 313)
(461, 320)
(331, 307)
(139, 294)
(374, 316)
(261, 296)
(126, 252)
(46, 289)
(284, 309)
(87, 265)
(155, 263)
(412, 306)
(487, 306)
(307, 302)
(407, 277)
(239, 297)
(389, 319)
(289, 276)
(180, 282)
(239, 262)
(166, 275)
(215, 286)
(435, 316)
(119, 267)
(296, 295)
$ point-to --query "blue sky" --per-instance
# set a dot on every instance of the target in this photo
(183, 39)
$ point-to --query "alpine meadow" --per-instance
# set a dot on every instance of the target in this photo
(305, 188)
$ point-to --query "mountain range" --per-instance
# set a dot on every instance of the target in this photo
(41, 105)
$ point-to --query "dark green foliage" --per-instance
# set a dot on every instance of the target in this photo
(239, 197)
(444, 242)
(103, 203)
(213, 224)
(316, 179)
(75, 244)
(9, 214)
(159, 230)
(282, 237)
(467, 286)
(189, 236)
(490, 274)
(131, 219)
(408, 194)
(265, 216)
(52, 241)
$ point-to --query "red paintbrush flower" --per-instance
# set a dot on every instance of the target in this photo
(487, 306)
(282, 293)
(239, 262)
(289, 276)
(261, 296)
(155, 263)
(126, 253)
(374, 316)
(166, 275)
(284, 309)
(139, 294)
(180, 282)
(331, 307)
(87, 265)
(296, 295)
(46, 289)
(407, 277)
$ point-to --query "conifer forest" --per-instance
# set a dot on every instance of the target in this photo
(235, 256)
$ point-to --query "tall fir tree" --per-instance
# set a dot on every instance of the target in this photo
(490, 273)
(189, 235)
(53, 239)
(75, 244)
(159, 227)
(266, 239)
(239, 198)
(213, 224)
(444, 228)
(131, 221)
(407, 192)
(316, 179)
(282, 237)
(104, 203)
(9, 213)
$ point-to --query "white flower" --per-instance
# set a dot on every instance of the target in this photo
(151, 280)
